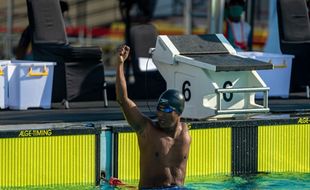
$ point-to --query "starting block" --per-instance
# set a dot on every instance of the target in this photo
(214, 80)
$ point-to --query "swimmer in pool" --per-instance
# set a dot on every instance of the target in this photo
(164, 144)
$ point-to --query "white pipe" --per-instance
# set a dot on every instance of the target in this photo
(212, 17)
(9, 26)
(188, 16)
(216, 16)
(221, 8)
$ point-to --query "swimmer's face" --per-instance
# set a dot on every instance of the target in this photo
(167, 121)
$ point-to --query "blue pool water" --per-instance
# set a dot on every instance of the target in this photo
(257, 182)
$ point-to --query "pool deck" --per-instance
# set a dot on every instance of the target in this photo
(95, 112)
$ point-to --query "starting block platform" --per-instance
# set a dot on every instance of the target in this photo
(214, 80)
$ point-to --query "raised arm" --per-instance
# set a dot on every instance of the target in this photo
(134, 117)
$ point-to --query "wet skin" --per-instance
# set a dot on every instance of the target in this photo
(164, 145)
(164, 148)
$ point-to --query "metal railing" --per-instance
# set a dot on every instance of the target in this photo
(259, 108)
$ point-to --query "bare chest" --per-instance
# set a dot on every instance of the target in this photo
(165, 150)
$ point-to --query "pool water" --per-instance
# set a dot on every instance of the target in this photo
(261, 181)
(257, 182)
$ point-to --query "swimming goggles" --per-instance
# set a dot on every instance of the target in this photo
(163, 106)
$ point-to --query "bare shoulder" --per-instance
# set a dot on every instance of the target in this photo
(185, 132)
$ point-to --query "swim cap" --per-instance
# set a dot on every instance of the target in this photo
(172, 99)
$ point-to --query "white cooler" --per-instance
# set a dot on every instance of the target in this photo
(277, 79)
(4, 83)
(30, 84)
